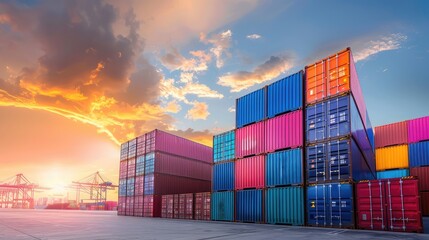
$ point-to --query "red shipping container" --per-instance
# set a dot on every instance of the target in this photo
(391, 134)
(138, 206)
(424, 196)
(202, 206)
(422, 173)
(250, 140)
(129, 207)
(169, 184)
(167, 206)
(389, 204)
(284, 131)
(123, 169)
(180, 166)
(131, 169)
(186, 206)
(141, 145)
(138, 186)
(250, 172)
(176, 206)
(121, 205)
(152, 206)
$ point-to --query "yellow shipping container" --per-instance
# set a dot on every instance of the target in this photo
(391, 157)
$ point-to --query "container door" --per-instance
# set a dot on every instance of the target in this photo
(338, 117)
(339, 160)
(316, 163)
(371, 205)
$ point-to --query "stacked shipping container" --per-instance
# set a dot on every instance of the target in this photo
(339, 140)
(159, 163)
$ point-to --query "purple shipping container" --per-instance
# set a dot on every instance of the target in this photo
(179, 166)
(284, 131)
(249, 140)
(418, 129)
(391, 134)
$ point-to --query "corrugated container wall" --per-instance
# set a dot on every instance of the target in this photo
(224, 146)
(397, 173)
(424, 202)
(391, 134)
(161, 184)
(284, 131)
(223, 176)
(330, 205)
(418, 154)
(250, 172)
(249, 206)
(285, 95)
(249, 140)
(202, 206)
(222, 206)
(370, 132)
(124, 151)
(392, 157)
(284, 205)
(167, 209)
(132, 148)
(152, 206)
(422, 173)
(251, 108)
(284, 168)
(418, 129)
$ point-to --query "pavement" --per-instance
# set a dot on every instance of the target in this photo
(62, 225)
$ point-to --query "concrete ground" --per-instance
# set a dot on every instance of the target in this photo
(56, 224)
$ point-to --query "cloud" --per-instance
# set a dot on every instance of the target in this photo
(173, 60)
(269, 70)
(385, 43)
(221, 43)
(231, 109)
(168, 88)
(172, 107)
(198, 111)
(254, 36)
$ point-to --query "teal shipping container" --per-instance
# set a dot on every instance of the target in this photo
(249, 206)
(284, 205)
(284, 168)
(224, 146)
(397, 173)
(222, 206)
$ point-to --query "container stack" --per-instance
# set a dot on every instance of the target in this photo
(339, 141)
(159, 163)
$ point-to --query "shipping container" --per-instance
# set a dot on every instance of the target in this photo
(397, 173)
(249, 204)
(422, 173)
(250, 108)
(316, 122)
(418, 154)
(129, 207)
(223, 176)
(202, 206)
(285, 95)
(222, 206)
(176, 206)
(130, 186)
(131, 167)
(138, 205)
(391, 134)
(132, 148)
(152, 206)
(395, 157)
(161, 184)
(123, 169)
(330, 205)
(140, 165)
(250, 140)
(332, 76)
(284, 205)
(284, 131)
(337, 160)
(124, 151)
(389, 204)
(418, 129)
(186, 206)
(424, 197)
(122, 187)
(370, 132)
(250, 172)
(224, 146)
(284, 168)
(139, 185)
(167, 206)
(141, 145)
(122, 205)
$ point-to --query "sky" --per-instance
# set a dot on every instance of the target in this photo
(77, 78)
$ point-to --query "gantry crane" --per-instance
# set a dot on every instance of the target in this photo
(17, 192)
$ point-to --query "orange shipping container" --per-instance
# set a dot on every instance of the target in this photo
(391, 157)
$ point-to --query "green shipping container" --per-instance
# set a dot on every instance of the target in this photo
(284, 205)
(222, 206)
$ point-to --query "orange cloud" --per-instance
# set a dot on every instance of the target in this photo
(198, 111)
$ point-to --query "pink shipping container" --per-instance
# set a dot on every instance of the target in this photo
(168, 184)
(138, 206)
(152, 206)
(186, 206)
(138, 185)
(141, 145)
(132, 147)
(121, 205)
(284, 131)
(123, 169)
(167, 208)
(391, 134)
(422, 173)
(165, 142)
(418, 129)
(129, 206)
(202, 206)
(250, 140)
(250, 172)
(180, 166)
(131, 172)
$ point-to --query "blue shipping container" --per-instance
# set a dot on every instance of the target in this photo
(397, 173)
(249, 206)
(284, 168)
(418, 154)
(370, 132)
(285, 205)
(222, 206)
(149, 163)
(130, 186)
(149, 184)
(330, 205)
(316, 122)
(223, 176)
(285, 95)
(250, 108)
(224, 146)
(140, 165)
(338, 160)
(122, 187)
